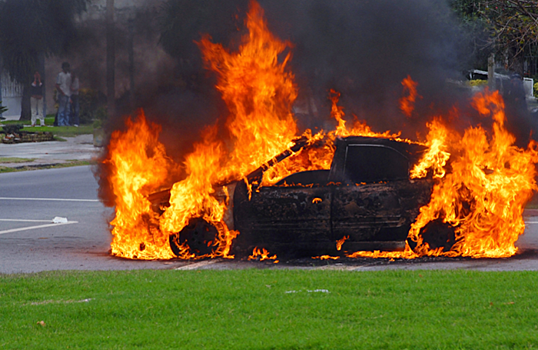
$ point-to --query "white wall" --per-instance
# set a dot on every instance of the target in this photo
(11, 97)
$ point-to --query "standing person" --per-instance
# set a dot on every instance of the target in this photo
(36, 99)
(63, 86)
(75, 107)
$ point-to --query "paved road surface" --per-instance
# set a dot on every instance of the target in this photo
(30, 242)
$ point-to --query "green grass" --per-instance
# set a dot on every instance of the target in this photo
(61, 131)
(256, 309)
(7, 122)
(15, 160)
(69, 163)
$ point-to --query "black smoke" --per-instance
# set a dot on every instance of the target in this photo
(363, 49)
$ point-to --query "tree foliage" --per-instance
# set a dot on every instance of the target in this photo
(33, 28)
(511, 27)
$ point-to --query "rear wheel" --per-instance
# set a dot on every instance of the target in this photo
(199, 235)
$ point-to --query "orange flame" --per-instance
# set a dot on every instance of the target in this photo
(340, 242)
(359, 128)
(490, 183)
(139, 166)
(261, 255)
(482, 181)
(259, 92)
(437, 156)
(326, 257)
(407, 103)
(483, 196)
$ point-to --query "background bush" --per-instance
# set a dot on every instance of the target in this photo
(92, 106)
(478, 82)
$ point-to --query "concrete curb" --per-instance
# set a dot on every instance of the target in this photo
(50, 153)
(530, 212)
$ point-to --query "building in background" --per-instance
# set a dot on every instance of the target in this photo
(11, 97)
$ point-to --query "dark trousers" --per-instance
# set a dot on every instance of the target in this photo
(75, 109)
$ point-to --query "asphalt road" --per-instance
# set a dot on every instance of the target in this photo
(31, 242)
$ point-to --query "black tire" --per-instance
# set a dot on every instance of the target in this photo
(199, 235)
(437, 234)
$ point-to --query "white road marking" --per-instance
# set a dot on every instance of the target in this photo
(24, 220)
(531, 222)
(50, 199)
(38, 226)
(198, 264)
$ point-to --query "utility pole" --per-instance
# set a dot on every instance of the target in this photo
(41, 69)
(1, 71)
(110, 58)
(130, 48)
(491, 72)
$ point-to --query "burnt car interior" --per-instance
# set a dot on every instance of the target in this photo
(373, 163)
(365, 197)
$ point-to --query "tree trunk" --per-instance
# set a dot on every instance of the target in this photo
(44, 80)
(130, 48)
(1, 71)
(26, 111)
(491, 72)
(110, 58)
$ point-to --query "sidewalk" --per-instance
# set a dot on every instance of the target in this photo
(50, 152)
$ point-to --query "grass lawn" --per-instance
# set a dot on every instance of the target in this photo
(15, 160)
(269, 309)
(68, 163)
(60, 131)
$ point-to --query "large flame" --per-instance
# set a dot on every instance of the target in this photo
(482, 181)
(139, 166)
(487, 189)
(259, 91)
(484, 194)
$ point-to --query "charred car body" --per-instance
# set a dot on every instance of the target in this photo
(365, 200)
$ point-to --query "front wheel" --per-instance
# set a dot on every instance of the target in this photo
(437, 234)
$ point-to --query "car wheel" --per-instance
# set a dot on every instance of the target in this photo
(199, 235)
(437, 234)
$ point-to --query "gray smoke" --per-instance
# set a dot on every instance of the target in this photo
(363, 49)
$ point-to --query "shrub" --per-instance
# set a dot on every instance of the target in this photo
(92, 105)
(2, 108)
(478, 82)
(12, 128)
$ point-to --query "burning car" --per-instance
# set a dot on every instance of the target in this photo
(365, 201)
(350, 190)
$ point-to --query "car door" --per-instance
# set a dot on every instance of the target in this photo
(370, 204)
(284, 215)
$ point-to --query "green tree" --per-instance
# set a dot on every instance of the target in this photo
(508, 28)
(30, 31)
